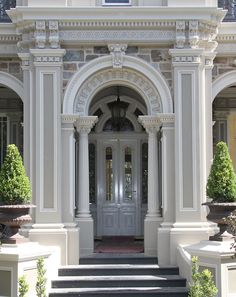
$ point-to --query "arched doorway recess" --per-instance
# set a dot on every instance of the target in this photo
(11, 113)
(94, 77)
(224, 111)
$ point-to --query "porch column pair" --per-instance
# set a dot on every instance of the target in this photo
(153, 217)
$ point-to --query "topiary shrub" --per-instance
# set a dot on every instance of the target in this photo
(202, 284)
(41, 278)
(23, 286)
(14, 184)
(221, 184)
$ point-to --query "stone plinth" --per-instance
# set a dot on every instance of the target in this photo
(18, 260)
(216, 257)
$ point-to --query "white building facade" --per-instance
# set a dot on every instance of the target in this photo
(63, 63)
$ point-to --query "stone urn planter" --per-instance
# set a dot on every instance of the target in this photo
(221, 188)
(13, 217)
(15, 196)
(217, 214)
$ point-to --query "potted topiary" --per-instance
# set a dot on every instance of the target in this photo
(221, 188)
(15, 195)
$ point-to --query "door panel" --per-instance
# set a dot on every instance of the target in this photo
(118, 201)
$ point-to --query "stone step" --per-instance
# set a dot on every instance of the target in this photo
(118, 259)
(116, 276)
(118, 281)
(119, 292)
(117, 269)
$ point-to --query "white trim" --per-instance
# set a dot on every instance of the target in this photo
(13, 83)
(152, 76)
(223, 81)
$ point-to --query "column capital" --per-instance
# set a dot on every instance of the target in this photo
(150, 123)
(48, 57)
(84, 124)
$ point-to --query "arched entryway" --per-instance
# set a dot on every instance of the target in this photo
(224, 112)
(86, 90)
(11, 113)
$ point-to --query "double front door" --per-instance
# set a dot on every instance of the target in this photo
(118, 206)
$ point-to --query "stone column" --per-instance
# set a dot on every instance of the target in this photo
(190, 145)
(85, 222)
(168, 187)
(68, 186)
(153, 217)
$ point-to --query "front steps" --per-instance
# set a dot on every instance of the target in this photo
(118, 276)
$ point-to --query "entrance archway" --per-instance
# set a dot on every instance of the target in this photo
(224, 111)
(11, 113)
(150, 85)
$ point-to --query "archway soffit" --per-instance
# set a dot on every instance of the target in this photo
(12, 83)
(223, 81)
(135, 73)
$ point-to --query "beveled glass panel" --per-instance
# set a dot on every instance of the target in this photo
(92, 173)
(3, 138)
(109, 175)
(128, 179)
(144, 172)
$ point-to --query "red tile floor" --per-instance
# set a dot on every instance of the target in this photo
(118, 244)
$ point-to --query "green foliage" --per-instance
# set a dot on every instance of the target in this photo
(203, 284)
(41, 279)
(23, 286)
(14, 184)
(221, 184)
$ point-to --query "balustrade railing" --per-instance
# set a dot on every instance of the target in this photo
(230, 5)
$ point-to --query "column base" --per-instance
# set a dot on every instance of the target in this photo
(163, 243)
(188, 233)
(73, 254)
(86, 238)
(66, 238)
(151, 225)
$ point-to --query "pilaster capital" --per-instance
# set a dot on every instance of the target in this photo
(68, 120)
(186, 56)
(209, 58)
(47, 57)
(150, 123)
(84, 124)
(167, 120)
(26, 59)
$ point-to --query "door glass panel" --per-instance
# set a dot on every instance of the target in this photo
(128, 174)
(3, 138)
(144, 172)
(92, 173)
(109, 174)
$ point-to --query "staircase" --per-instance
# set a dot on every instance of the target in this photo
(116, 276)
